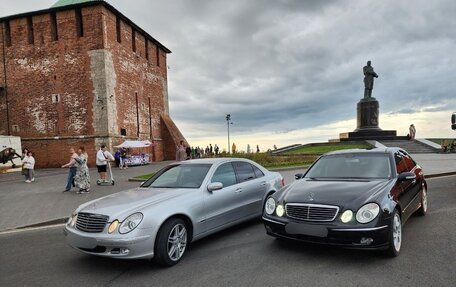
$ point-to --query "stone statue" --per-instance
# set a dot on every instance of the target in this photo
(369, 75)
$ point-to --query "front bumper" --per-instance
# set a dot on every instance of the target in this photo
(371, 237)
(137, 244)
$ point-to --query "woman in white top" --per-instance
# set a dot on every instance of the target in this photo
(28, 164)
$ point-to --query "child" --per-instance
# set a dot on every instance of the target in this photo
(29, 165)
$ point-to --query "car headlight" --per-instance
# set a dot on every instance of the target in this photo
(113, 226)
(72, 220)
(347, 216)
(130, 223)
(270, 206)
(367, 213)
(280, 211)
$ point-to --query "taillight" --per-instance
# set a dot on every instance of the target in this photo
(283, 181)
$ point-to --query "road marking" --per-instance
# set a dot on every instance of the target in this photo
(32, 229)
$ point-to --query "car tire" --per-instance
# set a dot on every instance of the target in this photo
(171, 242)
(395, 235)
(423, 205)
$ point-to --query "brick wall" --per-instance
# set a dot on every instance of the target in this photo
(55, 153)
(139, 79)
(49, 86)
(67, 81)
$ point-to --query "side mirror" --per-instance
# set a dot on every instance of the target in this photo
(406, 176)
(214, 186)
(299, 176)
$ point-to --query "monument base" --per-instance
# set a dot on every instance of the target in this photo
(373, 134)
(367, 124)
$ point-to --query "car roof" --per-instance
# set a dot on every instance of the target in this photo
(387, 150)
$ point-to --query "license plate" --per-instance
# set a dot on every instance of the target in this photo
(306, 229)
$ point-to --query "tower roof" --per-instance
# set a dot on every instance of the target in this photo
(61, 3)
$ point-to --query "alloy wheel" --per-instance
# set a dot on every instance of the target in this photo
(397, 232)
(177, 242)
(424, 199)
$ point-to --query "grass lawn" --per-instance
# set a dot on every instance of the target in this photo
(277, 161)
(321, 149)
(145, 176)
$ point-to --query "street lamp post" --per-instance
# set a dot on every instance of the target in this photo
(228, 120)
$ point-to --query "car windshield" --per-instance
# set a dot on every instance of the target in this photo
(179, 176)
(363, 166)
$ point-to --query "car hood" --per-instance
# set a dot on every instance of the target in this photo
(124, 203)
(343, 193)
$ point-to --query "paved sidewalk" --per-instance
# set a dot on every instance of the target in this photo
(436, 163)
(24, 204)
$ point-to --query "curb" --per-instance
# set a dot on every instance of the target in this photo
(37, 225)
(136, 179)
(440, 174)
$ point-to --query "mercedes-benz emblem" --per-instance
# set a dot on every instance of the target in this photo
(311, 195)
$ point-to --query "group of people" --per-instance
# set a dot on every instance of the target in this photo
(185, 152)
(120, 157)
(78, 174)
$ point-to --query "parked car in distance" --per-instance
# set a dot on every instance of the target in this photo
(351, 198)
(183, 202)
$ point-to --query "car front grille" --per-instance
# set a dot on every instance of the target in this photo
(311, 212)
(90, 222)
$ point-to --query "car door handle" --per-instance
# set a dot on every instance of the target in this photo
(263, 183)
(238, 190)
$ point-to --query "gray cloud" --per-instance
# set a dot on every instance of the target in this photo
(280, 66)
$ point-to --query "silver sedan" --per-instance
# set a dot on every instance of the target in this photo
(182, 203)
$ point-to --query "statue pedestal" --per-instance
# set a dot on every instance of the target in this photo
(367, 124)
(367, 115)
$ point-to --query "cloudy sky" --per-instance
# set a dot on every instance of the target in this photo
(290, 71)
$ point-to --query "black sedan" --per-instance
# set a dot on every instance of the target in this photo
(351, 198)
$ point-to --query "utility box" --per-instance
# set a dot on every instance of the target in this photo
(7, 158)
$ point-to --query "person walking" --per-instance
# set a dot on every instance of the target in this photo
(188, 152)
(73, 167)
(103, 156)
(28, 164)
(233, 148)
(82, 178)
(216, 149)
(180, 152)
(123, 158)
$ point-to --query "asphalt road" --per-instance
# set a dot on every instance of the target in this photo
(246, 256)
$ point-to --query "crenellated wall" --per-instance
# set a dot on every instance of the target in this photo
(73, 81)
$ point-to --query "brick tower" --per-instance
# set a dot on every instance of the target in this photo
(80, 74)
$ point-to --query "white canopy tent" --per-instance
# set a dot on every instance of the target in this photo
(134, 144)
